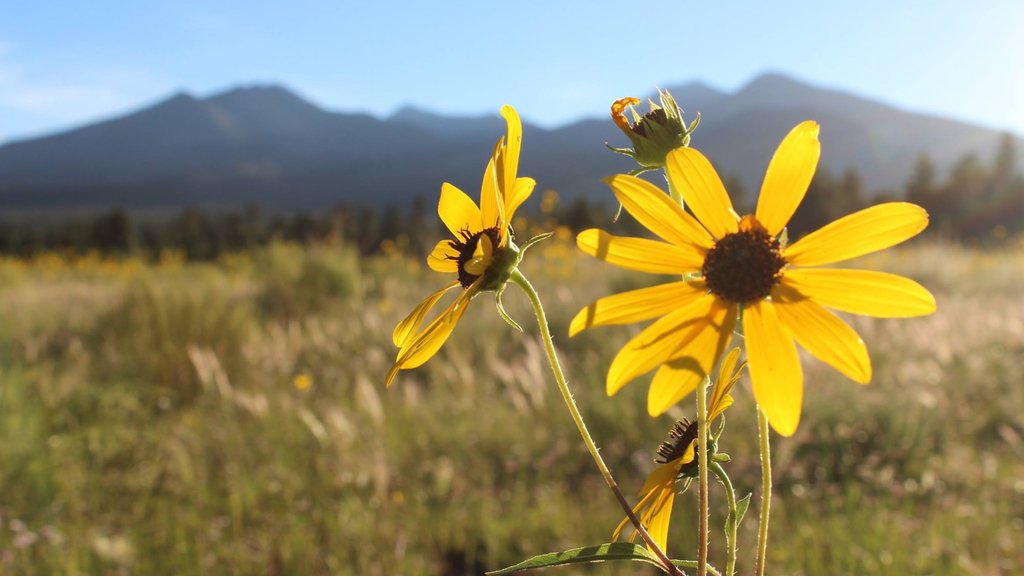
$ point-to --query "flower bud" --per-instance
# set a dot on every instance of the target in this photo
(654, 134)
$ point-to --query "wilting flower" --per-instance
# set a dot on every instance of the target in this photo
(481, 251)
(676, 459)
(735, 267)
(654, 134)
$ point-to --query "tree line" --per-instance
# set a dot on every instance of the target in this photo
(979, 201)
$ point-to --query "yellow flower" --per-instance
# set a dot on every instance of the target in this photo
(736, 267)
(659, 491)
(481, 251)
(302, 382)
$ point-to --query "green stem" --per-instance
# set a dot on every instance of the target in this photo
(730, 531)
(702, 467)
(766, 492)
(563, 387)
(674, 192)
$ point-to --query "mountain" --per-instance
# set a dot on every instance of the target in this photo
(265, 144)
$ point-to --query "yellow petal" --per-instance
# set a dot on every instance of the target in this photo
(636, 305)
(422, 347)
(491, 203)
(675, 379)
(823, 334)
(457, 210)
(639, 253)
(863, 232)
(658, 516)
(482, 256)
(864, 292)
(412, 322)
(443, 258)
(728, 375)
(508, 160)
(660, 342)
(658, 213)
(520, 192)
(695, 178)
(788, 176)
(774, 367)
(658, 495)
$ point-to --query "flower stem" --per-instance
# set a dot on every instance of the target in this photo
(702, 467)
(563, 387)
(730, 531)
(674, 192)
(766, 492)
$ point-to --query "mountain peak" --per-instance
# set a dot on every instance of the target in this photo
(260, 95)
(774, 82)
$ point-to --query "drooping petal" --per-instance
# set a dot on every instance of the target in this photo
(508, 160)
(863, 232)
(658, 213)
(660, 342)
(422, 347)
(657, 496)
(695, 178)
(457, 210)
(788, 176)
(520, 192)
(639, 253)
(412, 322)
(492, 206)
(695, 359)
(636, 305)
(659, 516)
(866, 292)
(443, 257)
(774, 367)
(728, 375)
(822, 333)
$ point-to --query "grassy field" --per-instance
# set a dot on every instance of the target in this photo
(230, 418)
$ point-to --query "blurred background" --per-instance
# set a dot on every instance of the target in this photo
(212, 215)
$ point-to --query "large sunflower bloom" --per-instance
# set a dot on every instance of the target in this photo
(733, 265)
(480, 251)
(659, 491)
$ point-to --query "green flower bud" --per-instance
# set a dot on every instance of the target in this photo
(654, 134)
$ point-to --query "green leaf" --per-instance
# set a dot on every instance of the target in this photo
(741, 507)
(599, 553)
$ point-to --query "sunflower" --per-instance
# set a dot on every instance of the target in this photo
(676, 458)
(740, 270)
(481, 251)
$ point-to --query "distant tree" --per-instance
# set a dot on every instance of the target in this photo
(921, 187)
(113, 232)
(194, 233)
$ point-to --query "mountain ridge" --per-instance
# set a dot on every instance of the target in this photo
(264, 143)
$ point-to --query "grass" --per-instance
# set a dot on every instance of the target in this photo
(150, 423)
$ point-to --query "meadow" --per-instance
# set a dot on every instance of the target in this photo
(230, 417)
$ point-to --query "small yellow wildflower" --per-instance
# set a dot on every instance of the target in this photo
(481, 252)
(302, 382)
(676, 455)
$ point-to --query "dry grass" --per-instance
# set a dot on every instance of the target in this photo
(151, 423)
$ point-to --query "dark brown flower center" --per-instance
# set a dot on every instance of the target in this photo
(683, 434)
(744, 266)
(465, 244)
(657, 115)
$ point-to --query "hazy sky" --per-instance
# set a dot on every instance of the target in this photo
(64, 63)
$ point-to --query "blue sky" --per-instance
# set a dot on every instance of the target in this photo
(64, 63)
